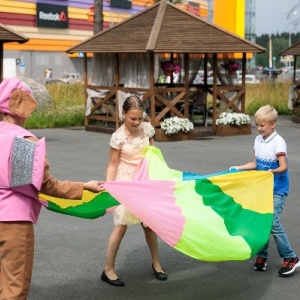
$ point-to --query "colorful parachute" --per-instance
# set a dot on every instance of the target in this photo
(91, 206)
(216, 217)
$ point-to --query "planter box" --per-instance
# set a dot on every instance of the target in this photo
(227, 130)
(160, 136)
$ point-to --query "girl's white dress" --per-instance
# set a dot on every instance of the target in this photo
(130, 155)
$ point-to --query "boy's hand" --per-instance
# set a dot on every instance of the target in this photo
(234, 168)
(94, 186)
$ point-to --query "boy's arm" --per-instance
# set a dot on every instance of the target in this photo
(248, 166)
(282, 165)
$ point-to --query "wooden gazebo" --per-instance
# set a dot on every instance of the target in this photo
(166, 29)
(8, 35)
(294, 50)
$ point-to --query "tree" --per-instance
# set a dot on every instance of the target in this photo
(279, 43)
(294, 22)
(98, 16)
(98, 26)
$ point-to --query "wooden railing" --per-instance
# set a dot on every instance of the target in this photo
(168, 101)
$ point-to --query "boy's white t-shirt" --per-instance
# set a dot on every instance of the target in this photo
(266, 155)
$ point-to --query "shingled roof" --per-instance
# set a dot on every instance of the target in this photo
(292, 50)
(162, 28)
(9, 35)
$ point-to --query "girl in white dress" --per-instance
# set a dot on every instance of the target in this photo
(126, 149)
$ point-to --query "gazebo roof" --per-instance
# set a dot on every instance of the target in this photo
(9, 35)
(292, 50)
(162, 28)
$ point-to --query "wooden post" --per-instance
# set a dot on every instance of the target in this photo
(85, 78)
(172, 61)
(244, 65)
(215, 70)
(295, 66)
(117, 82)
(152, 90)
(205, 70)
(186, 84)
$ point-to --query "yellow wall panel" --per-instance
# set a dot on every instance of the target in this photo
(145, 3)
(76, 54)
(114, 17)
(203, 4)
(240, 17)
(17, 7)
(230, 14)
(41, 45)
(26, 8)
(49, 33)
(78, 13)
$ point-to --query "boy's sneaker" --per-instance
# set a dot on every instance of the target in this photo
(289, 266)
(260, 264)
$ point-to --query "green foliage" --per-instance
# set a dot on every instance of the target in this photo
(275, 94)
(67, 108)
(279, 43)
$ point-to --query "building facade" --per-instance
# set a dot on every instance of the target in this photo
(56, 25)
(239, 18)
(53, 26)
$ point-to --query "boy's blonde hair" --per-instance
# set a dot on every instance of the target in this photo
(266, 113)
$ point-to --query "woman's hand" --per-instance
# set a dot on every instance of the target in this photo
(94, 186)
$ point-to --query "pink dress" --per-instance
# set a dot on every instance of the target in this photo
(130, 155)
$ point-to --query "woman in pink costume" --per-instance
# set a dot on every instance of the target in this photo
(24, 172)
(126, 149)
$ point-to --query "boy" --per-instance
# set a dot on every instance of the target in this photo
(270, 154)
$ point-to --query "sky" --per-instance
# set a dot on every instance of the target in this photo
(271, 16)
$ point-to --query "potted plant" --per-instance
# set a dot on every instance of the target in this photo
(231, 66)
(169, 68)
(232, 123)
(175, 129)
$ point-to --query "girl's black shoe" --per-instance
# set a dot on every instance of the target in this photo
(160, 275)
(115, 282)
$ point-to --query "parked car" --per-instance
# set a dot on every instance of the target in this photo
(210, 80)
(71, 78)
(248, 79)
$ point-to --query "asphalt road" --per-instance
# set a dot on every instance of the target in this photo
(70, 252)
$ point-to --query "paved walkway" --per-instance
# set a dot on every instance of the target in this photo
(70, 252)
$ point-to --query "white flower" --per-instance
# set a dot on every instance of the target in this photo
(175, 124)
(232, 118)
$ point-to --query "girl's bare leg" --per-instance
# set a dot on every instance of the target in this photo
(112, 250)
(151, 240)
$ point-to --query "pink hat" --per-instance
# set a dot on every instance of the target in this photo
(16, 98)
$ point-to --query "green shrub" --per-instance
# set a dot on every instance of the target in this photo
(275, 94)
(66, 110)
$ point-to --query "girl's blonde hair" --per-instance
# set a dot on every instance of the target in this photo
(266, 113)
